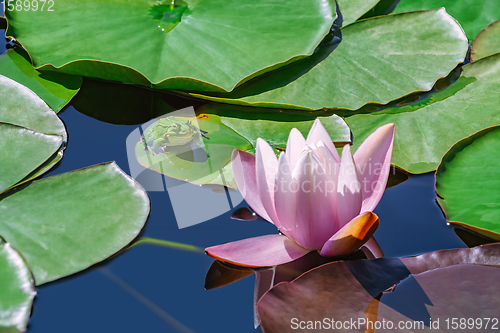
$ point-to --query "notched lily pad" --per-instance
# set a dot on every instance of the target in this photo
(205, 45)
(467, 182)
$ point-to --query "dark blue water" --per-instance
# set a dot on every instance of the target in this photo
(143, 289)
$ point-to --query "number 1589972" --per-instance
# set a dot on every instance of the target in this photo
(27, 5)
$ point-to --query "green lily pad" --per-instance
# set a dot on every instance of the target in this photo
(200, 161)
(352, 10)
(473, 15)
(32, 135)
(378, 60)
(66, 223)
(21, 107)
(16, 290)
(25, 150)
(467, 182)
(383, 7)
(487, 42)
(427, 129)
(56, 89)
(216, 45)
(253, 123)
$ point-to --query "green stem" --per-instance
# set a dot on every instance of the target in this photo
(174, 245)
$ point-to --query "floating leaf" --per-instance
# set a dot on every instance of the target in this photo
(274, 127)
(351, 290)
(56, 89)
(200, 161)
(351, 10)
(216, 44)
(467, 182)
(66, 223)
(383, 7)
(16, 290)
(425, 130)
(31, 134)
(21, 107)
(487, 42)
(378, 60)
(23, 151)
(473, 15)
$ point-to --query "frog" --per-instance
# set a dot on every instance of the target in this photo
(169, 133)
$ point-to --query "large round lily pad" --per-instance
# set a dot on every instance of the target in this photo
(207, 45)
(16, 290)
(66, 223)
(473, 15)
(56, 89)
(467, 182)
(426, 129)
(378, 60)
(487, 42)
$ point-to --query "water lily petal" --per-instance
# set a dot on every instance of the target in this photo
(294, 146)
(266, 166)
(373, 160)
(268, 250)
(332, 165)
(349, 198)
(319, 133)
(243, 166)
(316, 217)
(352, 236)
(285, 199)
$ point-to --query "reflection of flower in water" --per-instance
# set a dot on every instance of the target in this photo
(318, 200)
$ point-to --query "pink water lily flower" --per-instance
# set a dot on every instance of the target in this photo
(316, 199)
